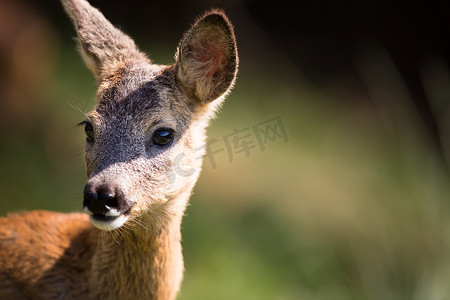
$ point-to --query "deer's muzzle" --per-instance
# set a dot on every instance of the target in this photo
(106, 204)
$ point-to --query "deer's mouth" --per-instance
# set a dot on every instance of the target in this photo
(110, 219)
(108, 223)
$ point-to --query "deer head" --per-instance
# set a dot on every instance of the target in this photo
(148, 118)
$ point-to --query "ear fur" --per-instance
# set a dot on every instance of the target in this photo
(101, 44)
(207, 59)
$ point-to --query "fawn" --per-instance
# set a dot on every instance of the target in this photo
(146, 117)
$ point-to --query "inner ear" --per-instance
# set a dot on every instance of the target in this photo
(210, 52)
(207, 57)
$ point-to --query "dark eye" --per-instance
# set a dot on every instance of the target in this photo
(163, 137)
(89, 130)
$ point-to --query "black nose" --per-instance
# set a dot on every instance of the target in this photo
(102, 198)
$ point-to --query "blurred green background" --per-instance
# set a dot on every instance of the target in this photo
(354, 205)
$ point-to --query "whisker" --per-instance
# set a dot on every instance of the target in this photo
(112, 233)
(140, 223)
(77, 106)
(77, 150)
(126, 229)
(120, 231)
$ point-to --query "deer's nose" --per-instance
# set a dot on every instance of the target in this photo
(103, 199)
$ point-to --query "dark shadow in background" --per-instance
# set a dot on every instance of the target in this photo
(322, 37)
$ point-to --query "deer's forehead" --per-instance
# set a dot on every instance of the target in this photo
(139, 96)
(137, 83)
(130, 91)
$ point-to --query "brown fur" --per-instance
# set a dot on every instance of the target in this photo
(46, 255)
(61, 256)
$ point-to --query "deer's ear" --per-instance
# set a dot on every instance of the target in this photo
(101, 44)
(206, 58)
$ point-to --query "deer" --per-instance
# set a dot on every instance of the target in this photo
(148, 120)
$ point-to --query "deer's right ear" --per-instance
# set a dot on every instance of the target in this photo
(101, 44)
(206, 58)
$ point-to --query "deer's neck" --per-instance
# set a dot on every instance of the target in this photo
(143, 261)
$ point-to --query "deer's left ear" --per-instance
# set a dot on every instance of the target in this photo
(206, 59)
(102, 45)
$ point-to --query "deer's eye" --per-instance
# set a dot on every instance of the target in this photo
(163, 137)
(89, 130)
